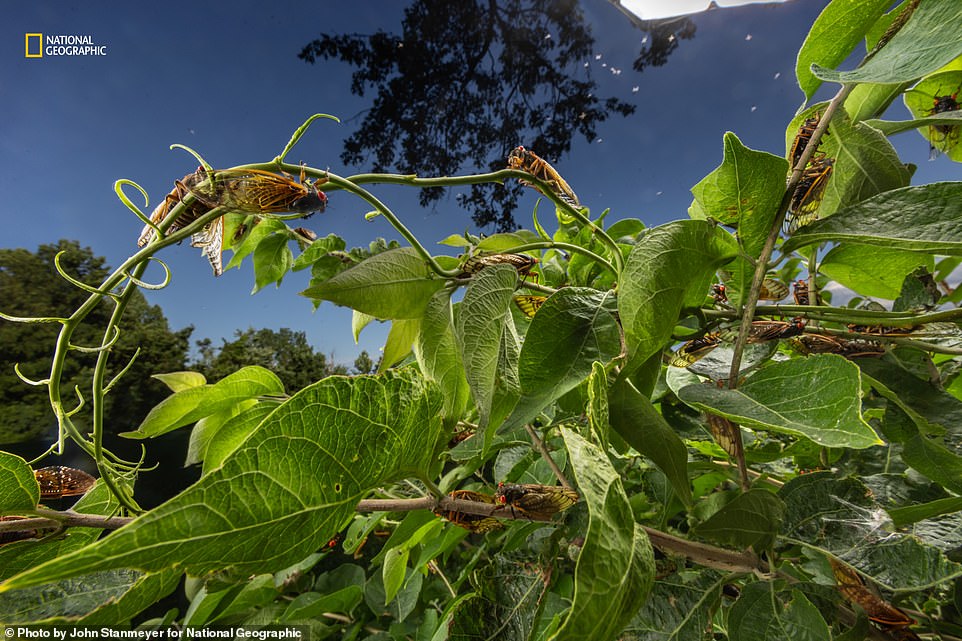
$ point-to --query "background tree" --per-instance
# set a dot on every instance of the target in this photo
(30, 286)
(463, 91)
(285, 352)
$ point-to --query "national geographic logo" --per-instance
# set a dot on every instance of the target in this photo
(38, 46)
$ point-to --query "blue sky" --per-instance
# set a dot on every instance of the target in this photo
(225, 80)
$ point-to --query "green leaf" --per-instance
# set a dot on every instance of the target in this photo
(179, 381)
(19, 490)
(866, 164)
(285, 492)
(207, 428)
(399, 341)
(393, 284)
(598, 408)
(921, 100)
(499, 243)
(759, 615)
(933, 410)
(264, 228)
(934, 461)
(927, 42)
(573, 329)
(817, 397)
(635, 419)
(234, 432)
(438, 355)
(871, 271)
(102, 598)
(680, 608)
(311, 605)
(256, 592)
(317, 250)
(616, 567)
(191, 405)
(272, 260)
(668, 269)
(393, 571)
(833, 36)
(745, 190)
(927, 218)
(480, 325)
(751, 519)
(902, 516)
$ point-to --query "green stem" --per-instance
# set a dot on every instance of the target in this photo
(575, 249)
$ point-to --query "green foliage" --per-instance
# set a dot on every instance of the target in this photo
(833, 439)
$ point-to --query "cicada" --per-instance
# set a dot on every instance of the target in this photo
(941, 137)
(773, 289)
(249, 191)
(726, 435)
(808, 344)
(58, 481)
(535, 501)
(477, 523)
(525, 160)
(521, 262)
(720, 294)
(769, 330)
(695, 349)
(882, 612)
(529, 305)
(808, 193)
(800, 292)
(803, 137)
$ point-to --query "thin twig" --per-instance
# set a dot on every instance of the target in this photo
(543, 450)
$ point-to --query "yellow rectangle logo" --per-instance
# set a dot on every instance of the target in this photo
(37, 40)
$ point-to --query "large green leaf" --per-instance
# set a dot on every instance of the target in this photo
(760, 615)
(751, 519)
(921, 101)
(616, 567)
(193, 404)
(927, 218)
(872, 271)
(934, 461)
(641, 426)
(927, 42)
(480, 328)
(438, 355)
(668, 269)
(866, 164)
(399, 341)
(833, 36)
(680, 608)
(18, 486)
(745, 190)
(264, 228)
(272, 260)
(573, 329)
(817, 397)
(285, 492)
(393, 284)
(234, 432)
(933, 410)
(110, 597)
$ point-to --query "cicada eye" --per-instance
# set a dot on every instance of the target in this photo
(502, 499)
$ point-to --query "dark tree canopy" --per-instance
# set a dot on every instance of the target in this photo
(31, 286)
(285, 352)
(465, 83)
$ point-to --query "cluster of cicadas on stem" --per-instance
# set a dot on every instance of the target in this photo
(808, 192)
(248, 191)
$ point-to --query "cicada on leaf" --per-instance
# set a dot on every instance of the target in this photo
(526, 160)
(58, 481)
(808, 193)
(521, 262)
(720, 294)
(529, 305)
(800, 292)
(941, 137)
(476, 523)
(886, 615)
(726, 435)
(694, 349)
(534, 501)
